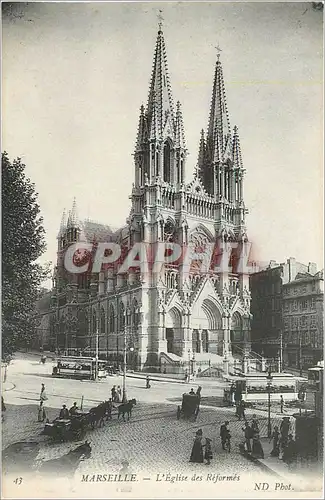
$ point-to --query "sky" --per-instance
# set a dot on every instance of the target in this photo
(76, 74)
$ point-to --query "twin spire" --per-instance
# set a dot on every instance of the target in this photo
(158, 121)
(221, 145)
(70, 222)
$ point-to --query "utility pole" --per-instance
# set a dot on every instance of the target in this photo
(124, 398)
(300, 357)
(96, 358)
(269, 385)
(281, 351)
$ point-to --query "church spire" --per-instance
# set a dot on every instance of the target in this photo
(63, 224)
(219, 133)
(160, 102)
(141, 130)
(236, 151)
(201, 157)
(73, 221)
(160, 151)
(179, 128)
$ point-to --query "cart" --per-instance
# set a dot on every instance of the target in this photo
(190, 407)
(61, 430)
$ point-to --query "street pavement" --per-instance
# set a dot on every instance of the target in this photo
(153, 441)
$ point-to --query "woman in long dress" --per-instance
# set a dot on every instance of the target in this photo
(276, 442)
(197, 449)
(257, 450)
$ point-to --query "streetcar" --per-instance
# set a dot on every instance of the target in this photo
(80, 368)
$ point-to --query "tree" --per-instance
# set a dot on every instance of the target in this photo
(22, 244)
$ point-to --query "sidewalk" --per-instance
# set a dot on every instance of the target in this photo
(157, 377)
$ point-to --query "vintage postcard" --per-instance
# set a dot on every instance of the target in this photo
(162, 259)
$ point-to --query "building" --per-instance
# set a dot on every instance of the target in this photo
(176, 316)
(268, 289)
(303, 334)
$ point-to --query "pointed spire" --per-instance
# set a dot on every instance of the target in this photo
(63, 224)
(73, 221)
(154, 132)
(219, 120)
(160, 89)
(141, 129)
(236, 151)
(179, 128)
(201, 157)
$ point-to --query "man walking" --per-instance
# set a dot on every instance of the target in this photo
(281, 403)
(224, 434)
(43, 396)
(248, 433)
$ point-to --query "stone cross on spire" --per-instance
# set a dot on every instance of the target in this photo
(218, 51)
(160, 20)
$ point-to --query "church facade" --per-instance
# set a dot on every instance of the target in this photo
(181, 314)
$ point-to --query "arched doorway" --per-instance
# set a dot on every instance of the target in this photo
(205, 341)
(196, 344)
(173, 331)
(212, 334)
(236, 333)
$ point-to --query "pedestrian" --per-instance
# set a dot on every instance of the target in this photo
(254, 425)
(290, 452)
(248, 433)
(73, 409)
(148, 382)
(240, 410)
(125, 471)
(276, 442)
(64, 413)
(281, 403)
(192, 392)
(113, 392)
(119, 394)
(43, 396)
(109, 409)
(284, 431)
(232, 394)
(224, 434)
(41, 412)
(208, 451)
(257, 450)
(185, 377)
(198, 392)
(197, 448)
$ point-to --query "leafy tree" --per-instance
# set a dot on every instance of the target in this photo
(22, 244)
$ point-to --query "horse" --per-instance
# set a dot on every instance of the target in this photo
(68, 463)
(126, 408)
(97, 414)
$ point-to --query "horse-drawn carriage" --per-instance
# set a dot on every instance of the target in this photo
(190, 407)
(67, 429)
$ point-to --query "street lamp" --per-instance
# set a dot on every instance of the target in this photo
(269, 385)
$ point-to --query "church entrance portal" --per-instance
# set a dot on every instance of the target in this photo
(236, 334)
(170, 339)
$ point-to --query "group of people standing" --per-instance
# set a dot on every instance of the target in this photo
(197, 455)
(252, 442)
(41, 409)
(284, 446)
(116, 394)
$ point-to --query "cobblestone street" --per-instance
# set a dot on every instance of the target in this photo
(153, 441)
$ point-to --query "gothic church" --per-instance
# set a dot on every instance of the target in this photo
(171, 321)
